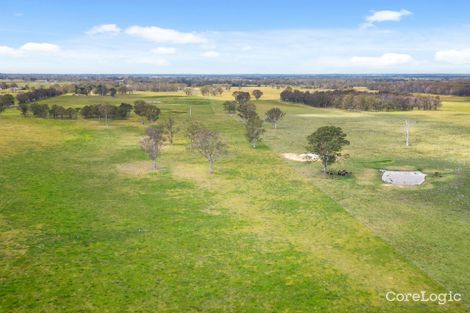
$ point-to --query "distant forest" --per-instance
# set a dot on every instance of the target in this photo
(458, 85)
(361, 101)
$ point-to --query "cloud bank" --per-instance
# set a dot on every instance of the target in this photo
(29, 48)
(301, 51)
(164, 35)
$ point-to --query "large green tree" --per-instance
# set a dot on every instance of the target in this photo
(7, 100)
(139, 108)
(327, 142)
(230, 107)
(254, 130)
(241, 97)
(257, 93)
(246, 111)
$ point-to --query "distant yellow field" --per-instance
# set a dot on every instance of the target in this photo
(269, 93)
(453, 103)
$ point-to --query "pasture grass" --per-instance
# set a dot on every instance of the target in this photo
(79, 234)
(428, 224)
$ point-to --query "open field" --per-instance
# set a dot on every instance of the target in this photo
(84, 227)
(71, 100)
(452, 103)
(429, 224)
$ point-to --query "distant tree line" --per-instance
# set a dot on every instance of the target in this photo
(143, 109)
(100, 89)
(363, 101)
(435, 84)
(38, 94)
(43, 110)
(452, 87)
(106, 111)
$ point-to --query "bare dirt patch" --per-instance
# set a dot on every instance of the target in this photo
(303, 157)
(139, 168)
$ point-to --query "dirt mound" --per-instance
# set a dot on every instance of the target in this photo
(304, 157)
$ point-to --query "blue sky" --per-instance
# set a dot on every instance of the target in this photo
(234, 36)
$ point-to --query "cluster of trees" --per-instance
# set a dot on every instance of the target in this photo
(244, 97)
(106, 111)
(156, 84)
(143, 109)
(327, 141)
(364, 101)
(146, 111)
(38, 94)
(211, 90)
(6, 101)
(100, 89)
(43, 110)
(203, 141)
(252, 121)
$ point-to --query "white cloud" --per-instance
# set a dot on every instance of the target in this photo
(387, 59)
(29, 47)
(104, 28)
(164, 50)
(385, 16)
(8, 51)
(40, 47)
(211, 54)
(307, 51)
(17, 14)
(246, 48)
(164, 35)
(453, 56)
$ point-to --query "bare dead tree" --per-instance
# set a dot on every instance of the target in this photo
(209, 144)
(152, 143)
(170, 128)
(105, 111)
